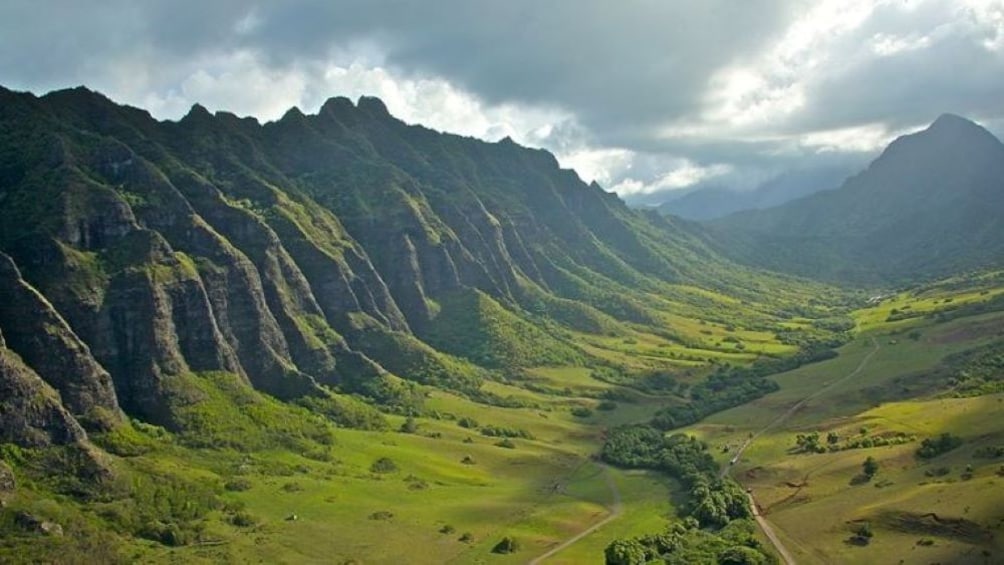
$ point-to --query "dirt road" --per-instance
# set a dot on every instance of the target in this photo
(760, 520)
(615, 511)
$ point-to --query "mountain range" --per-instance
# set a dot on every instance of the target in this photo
(932, 204)
(343, 251)
(712, 202)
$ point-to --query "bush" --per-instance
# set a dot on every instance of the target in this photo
(501, 431)
(237, 484)
(383, 465)
(862, 533)
(989, 452)
(506, 443)
(409, 426)
(606, 405)
(581, 412)
(506, 545)
(243, 519)
(933, 447)
(870, 467)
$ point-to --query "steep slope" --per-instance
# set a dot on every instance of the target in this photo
(931, 204)
(342, 251)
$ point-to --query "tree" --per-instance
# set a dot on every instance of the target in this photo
(739, 555)
(625, 552)
(507, 545)
(832, 438)
(409, 426)
(862, 533)
(870, 467)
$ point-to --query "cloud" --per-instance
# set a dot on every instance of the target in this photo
(686, 174)
(641, 96)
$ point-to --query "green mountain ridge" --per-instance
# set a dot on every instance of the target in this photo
(929, 206)
(343, 252)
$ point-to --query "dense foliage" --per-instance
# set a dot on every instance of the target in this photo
(734, 385)
(933, 447)
(714, 502)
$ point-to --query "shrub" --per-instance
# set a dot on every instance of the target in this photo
(506, 545)
(243, 519)
(506, 443)
(933, 447)
(409, 426)
(581, 412)
(383, 465)
(237, 484)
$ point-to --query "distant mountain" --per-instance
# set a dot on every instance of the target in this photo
(718, 201)
(931, 204)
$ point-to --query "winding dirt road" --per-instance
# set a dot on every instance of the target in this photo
(615, 511)
(617, 507)
(760, 520)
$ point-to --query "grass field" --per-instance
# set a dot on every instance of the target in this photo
(449, 483)
(946, 510)
(450, 493)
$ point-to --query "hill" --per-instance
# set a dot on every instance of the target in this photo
(930, 205)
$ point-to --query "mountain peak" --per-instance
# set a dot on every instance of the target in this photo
(336, 106)
(373, 106)
(197, 111)
(953, 122)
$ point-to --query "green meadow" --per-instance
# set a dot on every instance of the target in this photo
(447, 484)
(886, 392)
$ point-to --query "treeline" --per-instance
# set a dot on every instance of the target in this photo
(951, 311)
(977, 371)
(715, 503)
(731, 386)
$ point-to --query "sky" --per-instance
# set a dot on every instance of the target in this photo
(642, 96)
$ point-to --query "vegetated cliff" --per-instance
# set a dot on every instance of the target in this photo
(339, 251)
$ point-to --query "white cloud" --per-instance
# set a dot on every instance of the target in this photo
(772, 84)
(242, 83)
(685, 175)
(885, 45)
(869, 137)
(987, 17)
(604, 166)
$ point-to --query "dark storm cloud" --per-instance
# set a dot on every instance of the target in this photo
(636, 88)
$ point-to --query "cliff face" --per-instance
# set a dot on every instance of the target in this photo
(31, 414)
(316, 251)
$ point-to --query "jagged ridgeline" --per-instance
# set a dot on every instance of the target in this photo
(344, 251)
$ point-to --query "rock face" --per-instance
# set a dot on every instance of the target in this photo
(7, 482)
(315, 251)
(31, 413)
(34, 330)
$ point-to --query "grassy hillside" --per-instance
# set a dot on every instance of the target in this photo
(921, 376)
